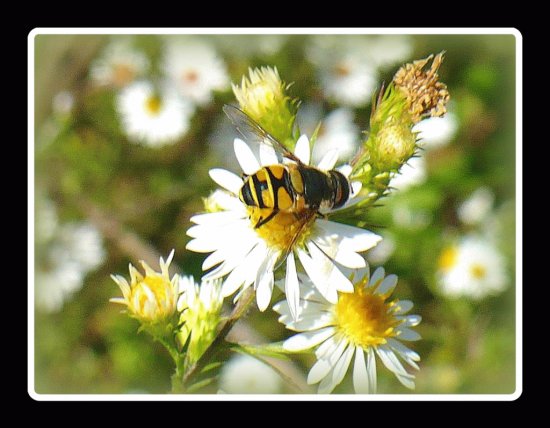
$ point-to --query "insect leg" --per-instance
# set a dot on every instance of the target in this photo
(263, 221)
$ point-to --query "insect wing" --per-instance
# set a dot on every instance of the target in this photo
(252, 132)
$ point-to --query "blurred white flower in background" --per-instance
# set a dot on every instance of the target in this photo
(435, 132)
(413, 173)
(195, 68)
(382, 252)
(387, 50)
(65, 254)
(119, 64)
(477, 207)
(151, 116)
(472, 267)
(337, 131)
(62, 103)
(243, 374)
(245, 46)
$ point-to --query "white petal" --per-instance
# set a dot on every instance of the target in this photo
(200, 245)
(335, 278)
(309, 322)
(377, 276)
(354, 238)
(235, 257)
(341, 254)
(245, 272)
(356, 187)
(388, 358)
(403, 306)
(303, 341)
(325, 365)
(245, 156)
(412, 320)
(387, 285)
(227, 180)
(326, 348)
(268, 156)
(302, 150)
(264, 281)
(345, 169)
(329, 160)
(407, 334)
(216, 219)
(292, 286)
(407, 354)
(371, 370)
(360, 377)
(342, 365)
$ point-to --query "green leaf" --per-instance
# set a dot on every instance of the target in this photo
(200, 384)
(274, 350)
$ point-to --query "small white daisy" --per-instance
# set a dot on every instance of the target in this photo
(243, 374)
(119, 64)
(473, 268)
(475, 209)
(386, 50)
(337, 131)
(346, 71)
(413, 173)
(63, 103)
(154, 118)
(249, 255)
(363, 323)
(195, 68)
(435, 132)
(56, 284)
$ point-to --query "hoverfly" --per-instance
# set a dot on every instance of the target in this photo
(293, 187)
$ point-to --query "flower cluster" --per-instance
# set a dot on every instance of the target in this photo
(279, 223)
(156, 111)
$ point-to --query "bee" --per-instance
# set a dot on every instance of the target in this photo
(291, 187)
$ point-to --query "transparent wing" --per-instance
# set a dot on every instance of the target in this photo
(254, 133)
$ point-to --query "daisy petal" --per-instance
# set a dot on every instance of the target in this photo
(408, 334)
(329, 160)
(327, 362)
(345, 169)
(360, 377)
(387, 286)
(216, 219)
(342, 365)
(264, 281)
(245, 156)
(412, 320)
(303, 341)
(377, 276)
(354, 238)
(407, 354)
(292, 286)
(226, 179)
(302, 150)
(371, 370)
(391, 362)
(268, 156)
(307, 323)
(244, 272)
(403, 306)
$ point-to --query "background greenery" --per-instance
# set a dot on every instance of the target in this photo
(142, 198)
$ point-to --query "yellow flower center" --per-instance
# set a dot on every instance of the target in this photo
(162, 299)
(284, 230)
(478, 271)
(365, 318)
(122, 74)
(153, 105)
(448, 258)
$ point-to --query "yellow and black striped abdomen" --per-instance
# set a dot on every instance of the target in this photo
(270, 187)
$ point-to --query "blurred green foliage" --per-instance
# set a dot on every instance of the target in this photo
(141, 199)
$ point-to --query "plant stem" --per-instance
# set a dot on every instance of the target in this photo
(225, 327)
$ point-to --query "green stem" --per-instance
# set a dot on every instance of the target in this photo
(225, 327)
(177, 377)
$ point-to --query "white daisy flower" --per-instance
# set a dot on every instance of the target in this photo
(250, 255)
(435, 132)
(363, 323)
(245, 46)
(154, 118)
(195, 68)
(119, 64)
(386, 50)
(63, 103)
(346, 71)
(475, 209)
(243, 374)
(337, 131)
(413, 173)
(63, 260)
(473, 268)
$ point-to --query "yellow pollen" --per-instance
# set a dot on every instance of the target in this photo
(448, 258)
(284, 230)
(365, 318)
(153, 105)
(478, 271)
